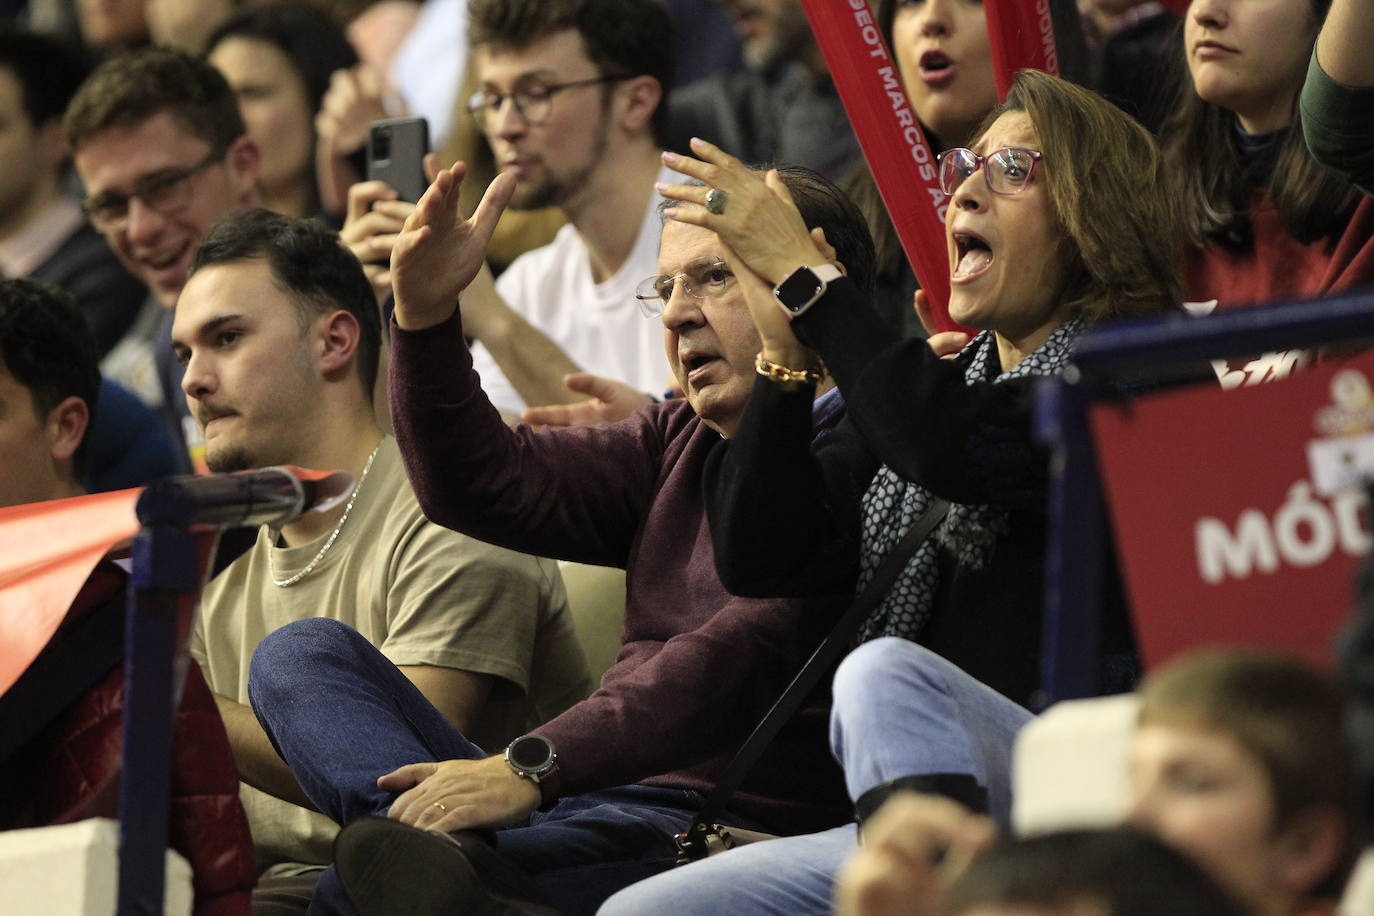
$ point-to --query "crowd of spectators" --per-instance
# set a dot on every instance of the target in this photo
(653, 314)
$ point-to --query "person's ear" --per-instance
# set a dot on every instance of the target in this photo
(337, 341)
(244, 161)
(640, 97)
(66, 427)
(1310, 848)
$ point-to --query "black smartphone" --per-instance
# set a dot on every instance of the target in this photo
(396, 151)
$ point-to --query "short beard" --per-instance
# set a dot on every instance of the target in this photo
(231, 459)
(554, 192)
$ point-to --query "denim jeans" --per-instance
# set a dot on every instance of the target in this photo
(899, 710)
(341, 715)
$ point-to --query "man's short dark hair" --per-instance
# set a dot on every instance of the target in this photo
(129, 89)
(48, 72)
(622, 37)
(821, 203)
(1122, 870)
(47, 346)
(306, 260)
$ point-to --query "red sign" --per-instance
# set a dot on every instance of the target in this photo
(1238, 514)
(1021, 33)
(901, 160)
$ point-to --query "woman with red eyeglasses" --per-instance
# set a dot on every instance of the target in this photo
(1059, 217)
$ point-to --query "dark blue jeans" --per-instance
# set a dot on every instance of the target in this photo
(341, 715)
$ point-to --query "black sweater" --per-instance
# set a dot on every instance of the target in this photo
(786, 519)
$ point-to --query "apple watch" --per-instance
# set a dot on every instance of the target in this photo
(533, 757)
(803, 286)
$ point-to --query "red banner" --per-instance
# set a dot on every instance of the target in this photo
(1238, 514)
(46, 552)
(1021, 33)
(898, 154)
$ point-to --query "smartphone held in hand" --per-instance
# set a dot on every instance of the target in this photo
(396, 150)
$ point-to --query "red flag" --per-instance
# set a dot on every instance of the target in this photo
(1021, 33)
(901, 160)
(47, 550)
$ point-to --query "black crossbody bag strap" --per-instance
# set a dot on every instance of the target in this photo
(693, 844)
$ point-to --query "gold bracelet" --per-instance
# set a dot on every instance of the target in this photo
(782, 375)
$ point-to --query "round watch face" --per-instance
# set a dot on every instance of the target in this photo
(531, 753)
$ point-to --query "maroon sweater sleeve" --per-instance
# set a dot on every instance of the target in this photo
(697, 666)
(574, 494)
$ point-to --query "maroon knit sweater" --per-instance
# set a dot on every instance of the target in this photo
(697, 666)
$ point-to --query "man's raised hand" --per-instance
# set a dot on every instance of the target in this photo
(438, 252)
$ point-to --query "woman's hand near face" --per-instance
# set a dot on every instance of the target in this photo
(780, 345)
(759, 221)
(945, 344)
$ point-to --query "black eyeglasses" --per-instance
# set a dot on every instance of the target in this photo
(1007, 171)
(533, 101)
(167, 192)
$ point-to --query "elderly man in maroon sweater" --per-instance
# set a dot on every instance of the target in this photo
(588, 802)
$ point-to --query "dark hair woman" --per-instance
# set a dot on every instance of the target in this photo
(1265, 221)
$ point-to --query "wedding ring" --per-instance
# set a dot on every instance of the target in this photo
(440, 806)
(715, 201)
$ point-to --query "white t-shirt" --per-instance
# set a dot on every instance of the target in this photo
(599, 325)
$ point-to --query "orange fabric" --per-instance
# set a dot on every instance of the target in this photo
(47, 551)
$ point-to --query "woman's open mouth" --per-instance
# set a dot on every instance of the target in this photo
(974, 257)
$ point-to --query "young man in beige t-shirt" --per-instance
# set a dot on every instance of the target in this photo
(280, 337)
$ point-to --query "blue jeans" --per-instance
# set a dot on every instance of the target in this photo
(899, 710)
(341, 715)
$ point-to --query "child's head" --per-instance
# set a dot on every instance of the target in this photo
(1240, 760)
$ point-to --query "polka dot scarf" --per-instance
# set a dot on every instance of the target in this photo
(892, 504)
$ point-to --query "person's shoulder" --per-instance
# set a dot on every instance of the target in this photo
(406, 531)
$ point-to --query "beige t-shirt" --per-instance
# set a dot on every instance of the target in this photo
(423, 595)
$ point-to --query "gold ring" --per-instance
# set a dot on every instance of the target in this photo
(440, 806)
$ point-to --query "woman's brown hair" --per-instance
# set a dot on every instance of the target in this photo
(1216, 180)
(1109, 189)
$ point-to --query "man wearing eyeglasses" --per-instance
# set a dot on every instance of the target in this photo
(161, 148)
(570, 101)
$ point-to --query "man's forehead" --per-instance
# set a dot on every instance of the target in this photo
(125, 153)
(684, 248)
(220, 289)
(551, 57)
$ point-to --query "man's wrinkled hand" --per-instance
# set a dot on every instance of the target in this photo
(438, 252)
(609, 401)
(460, 794)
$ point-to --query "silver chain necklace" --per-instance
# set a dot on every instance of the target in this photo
(333, 535)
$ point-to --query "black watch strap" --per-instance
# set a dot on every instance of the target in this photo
(533, 757)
